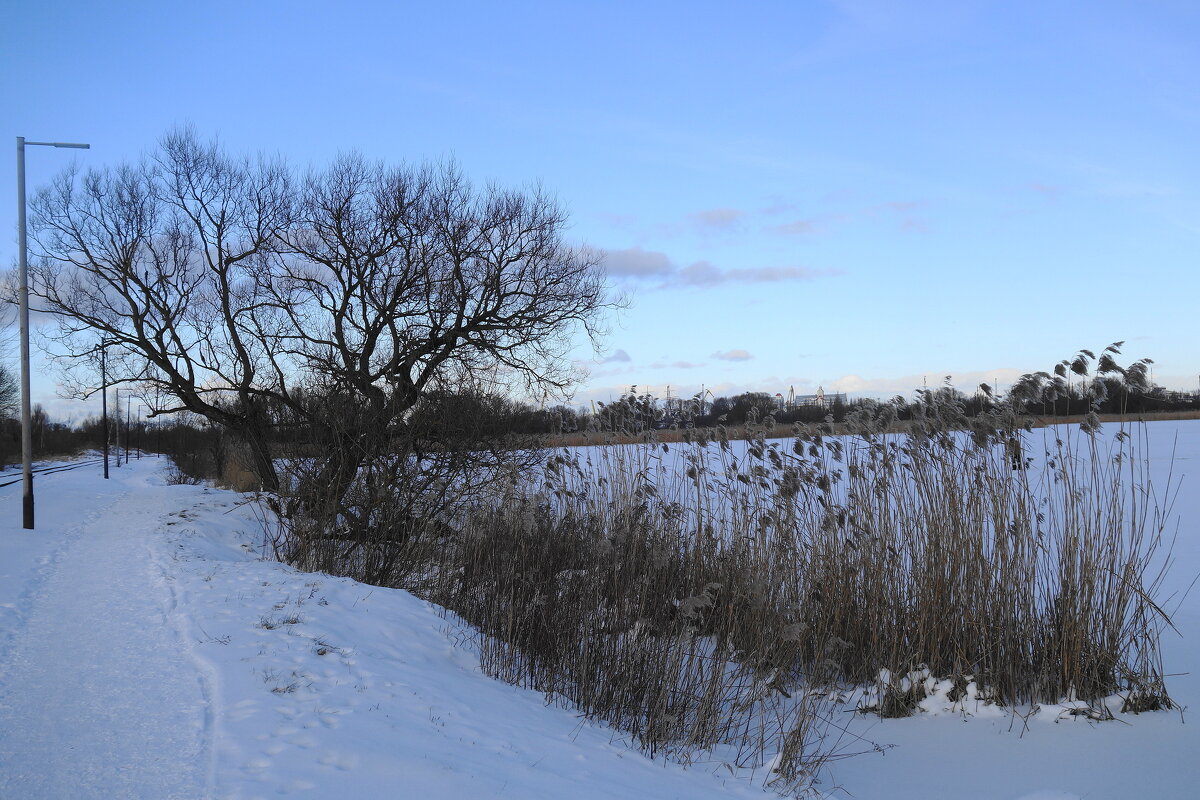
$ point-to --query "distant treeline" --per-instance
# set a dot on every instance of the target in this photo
(1036, 394)
(445, 416)
(53, 439)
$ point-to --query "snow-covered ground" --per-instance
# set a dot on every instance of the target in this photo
(147, 650)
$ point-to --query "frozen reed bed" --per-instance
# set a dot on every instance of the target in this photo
(725, 597)
(727, 600)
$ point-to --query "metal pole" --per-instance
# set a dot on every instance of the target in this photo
(104, 402)
(23, 260)
(26, 426)
(117, 438)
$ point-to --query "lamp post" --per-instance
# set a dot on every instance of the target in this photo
(26, 426)
(104, 402)
(117, 438)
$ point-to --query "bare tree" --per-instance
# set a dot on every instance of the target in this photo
(394, 282)
(241, 291)
(10, 391)
(156, 261)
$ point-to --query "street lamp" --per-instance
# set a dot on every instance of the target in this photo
(26, 427)
(104, 401)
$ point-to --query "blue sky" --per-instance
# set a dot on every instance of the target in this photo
(856, 195)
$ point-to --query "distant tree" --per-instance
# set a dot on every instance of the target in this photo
(39, 425)
(750, 406)
(720, 408)
(631, 413)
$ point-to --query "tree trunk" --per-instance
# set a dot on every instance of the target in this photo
(260, 454)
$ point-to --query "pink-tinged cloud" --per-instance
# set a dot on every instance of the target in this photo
(717, 218)
(636, 264)
(733, 355)
(1050, 192)
(702, 273)
(778, 206)
(622, 221)
(798, 228)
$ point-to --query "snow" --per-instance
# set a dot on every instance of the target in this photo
(1048, 754)
(149, 650)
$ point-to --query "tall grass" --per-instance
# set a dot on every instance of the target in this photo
(722, 597)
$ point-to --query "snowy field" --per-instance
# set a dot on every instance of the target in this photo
(147, 650)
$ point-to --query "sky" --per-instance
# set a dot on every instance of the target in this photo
(858, 196)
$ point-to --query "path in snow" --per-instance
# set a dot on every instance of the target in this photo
(78, 722)
(282, 683)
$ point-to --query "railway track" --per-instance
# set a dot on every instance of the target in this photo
(49, 470)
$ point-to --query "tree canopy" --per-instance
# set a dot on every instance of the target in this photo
(229, 285)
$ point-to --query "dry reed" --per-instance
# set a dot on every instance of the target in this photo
(721, 598)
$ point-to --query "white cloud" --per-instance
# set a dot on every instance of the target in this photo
(733, 355)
